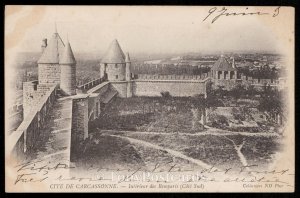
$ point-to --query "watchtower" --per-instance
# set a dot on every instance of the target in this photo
(113, 63)
(68, 71)
(116, 67)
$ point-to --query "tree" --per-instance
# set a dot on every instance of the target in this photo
(220, 91)
(250, 91)
(238, 91)
(267, 90)
(165, 94)
(272, 103)
(212, 99)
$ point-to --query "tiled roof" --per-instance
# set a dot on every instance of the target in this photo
(222, 65)
(114, 54)
(53, 51)
(67, 56)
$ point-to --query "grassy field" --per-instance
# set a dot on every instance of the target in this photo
(167, 123)
(150, 114)
(105, 151)
(217, 150)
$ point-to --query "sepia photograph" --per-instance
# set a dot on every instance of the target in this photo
(149, 99)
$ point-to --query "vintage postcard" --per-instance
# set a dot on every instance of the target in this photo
(149, 99)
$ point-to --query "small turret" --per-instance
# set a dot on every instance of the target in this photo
(232, 62)
(48, 63)
(128, 67)
(44, 44)
(115, 67)
(68, 71)
(68, 56)
(113, 63)
(127, 58)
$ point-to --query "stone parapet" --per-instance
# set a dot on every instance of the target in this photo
(23, 139)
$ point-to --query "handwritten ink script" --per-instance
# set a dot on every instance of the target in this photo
(165, 175)
(216, 13)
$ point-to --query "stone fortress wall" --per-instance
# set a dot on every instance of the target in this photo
(24, 138)
(171, 77)
(178, 88)
(33, 92)
(49, 73)
(116, 71)
(86, 108)
(79, 127)
(153, 87)
(248, 81)
(68, 79)
(121, 87)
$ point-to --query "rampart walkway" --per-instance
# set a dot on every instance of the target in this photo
(56, 136)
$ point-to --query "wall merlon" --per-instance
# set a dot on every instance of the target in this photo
(171, 77)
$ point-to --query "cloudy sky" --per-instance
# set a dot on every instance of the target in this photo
(138, 29)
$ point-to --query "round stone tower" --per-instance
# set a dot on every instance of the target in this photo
(48, 64)
(115, 67)
(68, 71)
(128, 76)
(113, 63)
(128, 67)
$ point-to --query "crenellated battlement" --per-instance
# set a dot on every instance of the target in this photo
(171, 77)
(33, 92)
(89, 85)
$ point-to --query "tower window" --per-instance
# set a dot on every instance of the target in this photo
(116, 65)
(116, 76)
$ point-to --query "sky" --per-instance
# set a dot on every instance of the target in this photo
(154, 29)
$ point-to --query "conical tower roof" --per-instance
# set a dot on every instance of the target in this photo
(53, 51)
(114, 54)
(127, 58)
(67, 56)
(222, 65)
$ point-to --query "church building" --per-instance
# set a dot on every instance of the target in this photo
(224, 73)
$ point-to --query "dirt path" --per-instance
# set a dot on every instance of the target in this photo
(258, 134)
(219, 132)
(210, 131)
(170, 151)
(238, 149)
